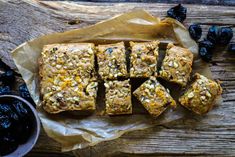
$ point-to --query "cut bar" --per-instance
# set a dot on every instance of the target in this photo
(112, 61)
(177, 65)
(201, 95)
(118, 97)
(143, 58)
(67, 77)
(154, 97)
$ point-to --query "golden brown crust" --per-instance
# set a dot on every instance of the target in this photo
(112, 61)
(118, 97)
(143, 58)
(154, 97)
(177, 65)
(67, 77)
(201, 95)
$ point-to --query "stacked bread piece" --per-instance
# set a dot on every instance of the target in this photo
(69, 80)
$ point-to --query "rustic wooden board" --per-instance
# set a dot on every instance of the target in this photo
(199, 136)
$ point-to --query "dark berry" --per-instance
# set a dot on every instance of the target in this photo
(20, 109)
(231, 48)
(5, 90)
(178, 12)
(7, 144)
(8, 77)
(23, 88)
(24, 93)
(195, 31)
(5, 122)
(23, 127)
(225, 35)
(109, 51)
(214, 34)
(205, 54)
(7, 110)
(207, 44)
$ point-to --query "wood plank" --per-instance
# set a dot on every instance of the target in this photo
(209, 135)
(205, 2)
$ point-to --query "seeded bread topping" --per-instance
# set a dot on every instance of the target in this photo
(201, 95)
(118, 97)
(177, 65)
(112, 61)
(143, 58)
(69, 82)
(67, 77)
(154, 97)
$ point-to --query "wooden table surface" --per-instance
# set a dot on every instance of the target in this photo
(208, 135)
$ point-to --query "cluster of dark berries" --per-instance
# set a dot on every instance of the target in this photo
(8, 78)
(15, 126)
(220, 35)
(215, 36)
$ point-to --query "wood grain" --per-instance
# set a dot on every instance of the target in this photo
(206, 2)
(195, 136)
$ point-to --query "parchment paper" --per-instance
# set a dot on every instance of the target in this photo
(73, 131)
